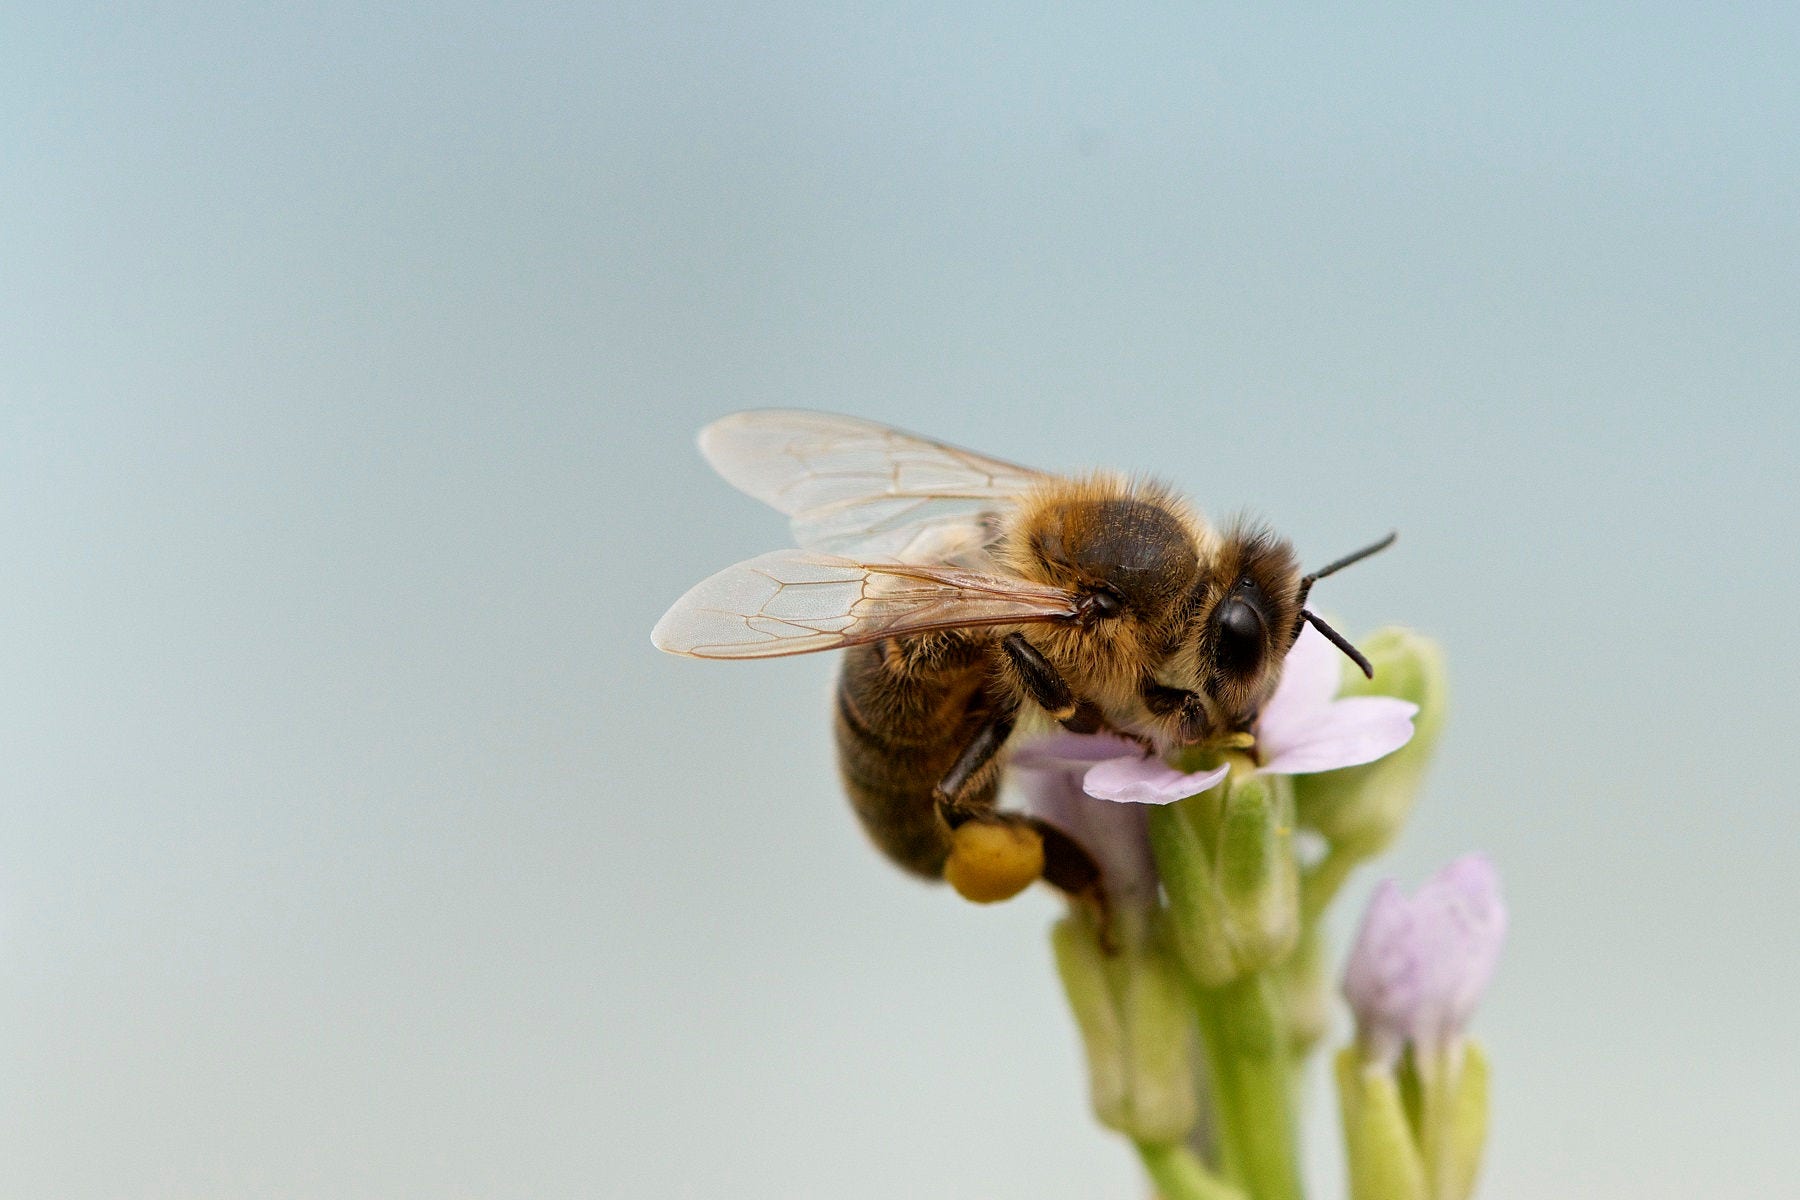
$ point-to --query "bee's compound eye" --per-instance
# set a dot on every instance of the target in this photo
(993, 860)
(1241, 630)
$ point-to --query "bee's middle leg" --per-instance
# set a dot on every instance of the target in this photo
(974, 759)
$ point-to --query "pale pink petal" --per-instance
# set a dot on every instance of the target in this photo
(1116, 835)
(1462, 923)
(1310, 676)
(1140, 780)
(1346, 733)
(1065, 747)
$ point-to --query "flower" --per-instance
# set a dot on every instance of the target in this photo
(1303, 728)
(1420, 965)
(1223, 922)
(1415, 1125)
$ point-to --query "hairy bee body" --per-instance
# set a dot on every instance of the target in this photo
(907, 706)
(970, 595)
(1135, 541)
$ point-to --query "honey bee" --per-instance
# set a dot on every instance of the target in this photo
(973, 595)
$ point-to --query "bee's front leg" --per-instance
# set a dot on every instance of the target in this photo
(1048, 689)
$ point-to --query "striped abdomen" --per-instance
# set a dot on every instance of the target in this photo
(905, 710)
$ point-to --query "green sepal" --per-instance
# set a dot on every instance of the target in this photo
(1384, 1158)
(1178, 1174)
(1453, 1119)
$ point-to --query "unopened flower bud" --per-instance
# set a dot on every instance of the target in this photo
(1420, 964)
(1414, 976)
(1361, 808)
(1227, 863)
(1132, 1010)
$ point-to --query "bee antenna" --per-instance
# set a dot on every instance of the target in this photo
(1333, 568)
(1339, 640)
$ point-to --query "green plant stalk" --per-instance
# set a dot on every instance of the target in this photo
(1305, 992)
(1179, 1175)
(1244, 1027)
(1320, 883)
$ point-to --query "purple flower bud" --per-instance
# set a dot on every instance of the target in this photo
(1420, 965)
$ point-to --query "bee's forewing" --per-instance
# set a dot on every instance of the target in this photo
(859, 488)
(796, 602)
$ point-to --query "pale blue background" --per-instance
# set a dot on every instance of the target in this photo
(355, 843)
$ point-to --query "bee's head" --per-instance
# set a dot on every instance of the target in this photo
(1244, 620)
(1246, 614)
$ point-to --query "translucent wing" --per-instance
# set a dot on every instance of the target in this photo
(795, 601)
(858, 488)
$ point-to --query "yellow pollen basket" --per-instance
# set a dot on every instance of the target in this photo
(990, 862)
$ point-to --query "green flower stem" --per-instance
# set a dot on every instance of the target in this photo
(1305, 990)
(1319, 884)
(1179, 1175)
(1244, 1026)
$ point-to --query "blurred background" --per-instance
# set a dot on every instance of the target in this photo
(355, 842)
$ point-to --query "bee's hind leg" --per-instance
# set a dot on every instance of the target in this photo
(968, 765)
(1072, 870)
(994, 855)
